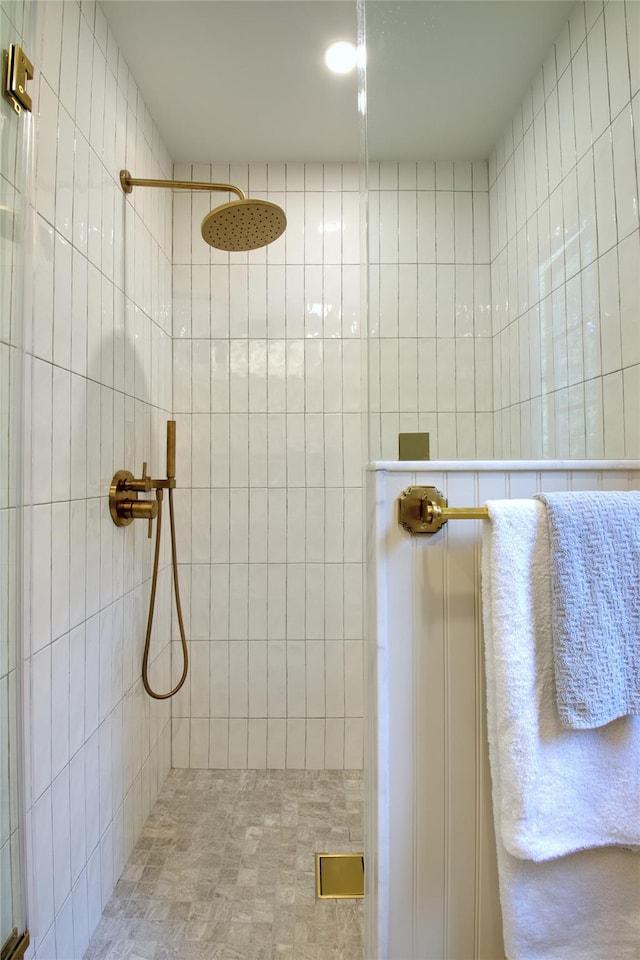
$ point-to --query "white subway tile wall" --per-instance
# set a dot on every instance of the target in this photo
(430, 322)
(267, 398)
(565, 248)
(99, 366)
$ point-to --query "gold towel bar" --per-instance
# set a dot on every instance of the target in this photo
(424, 510)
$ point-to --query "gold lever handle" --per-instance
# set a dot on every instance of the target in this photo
(142, 485)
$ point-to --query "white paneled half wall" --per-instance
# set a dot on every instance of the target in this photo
(432, 876)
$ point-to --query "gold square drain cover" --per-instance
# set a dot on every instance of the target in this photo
(339, 875)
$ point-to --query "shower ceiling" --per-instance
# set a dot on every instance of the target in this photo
(444, 76)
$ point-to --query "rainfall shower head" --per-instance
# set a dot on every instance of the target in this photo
(242, 224)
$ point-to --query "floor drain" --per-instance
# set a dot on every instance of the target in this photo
(339, 875)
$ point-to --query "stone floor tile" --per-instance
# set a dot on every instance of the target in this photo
(225, 870)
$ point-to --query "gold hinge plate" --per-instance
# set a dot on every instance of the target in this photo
(18, 69)
(15, 946)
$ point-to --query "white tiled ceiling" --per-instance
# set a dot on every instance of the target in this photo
(244, 80)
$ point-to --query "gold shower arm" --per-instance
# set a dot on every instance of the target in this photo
(127, 182)
(424, 510)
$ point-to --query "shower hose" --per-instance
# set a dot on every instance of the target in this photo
(152, 601)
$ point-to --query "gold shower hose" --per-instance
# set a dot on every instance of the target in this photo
(152, 601)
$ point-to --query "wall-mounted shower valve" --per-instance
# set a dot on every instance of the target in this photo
(123, 498)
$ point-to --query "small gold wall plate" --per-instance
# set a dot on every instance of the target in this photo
(339, 876)
(413, 446)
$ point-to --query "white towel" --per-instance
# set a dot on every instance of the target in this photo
(562, 791)
(584, 906)
(581, 907)
(595, 603)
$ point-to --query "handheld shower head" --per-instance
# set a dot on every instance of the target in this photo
(243, 225)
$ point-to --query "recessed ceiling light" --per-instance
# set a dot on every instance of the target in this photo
(341, 57)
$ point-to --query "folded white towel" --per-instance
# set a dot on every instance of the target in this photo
(595, 594)
(581, 907)
(561, 791)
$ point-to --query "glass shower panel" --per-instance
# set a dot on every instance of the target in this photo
(504, 246)
(15, 145)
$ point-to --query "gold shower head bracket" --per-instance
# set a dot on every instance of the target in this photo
(242, 224)
(127, 182)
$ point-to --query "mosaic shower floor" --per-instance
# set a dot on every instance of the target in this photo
(225, 870)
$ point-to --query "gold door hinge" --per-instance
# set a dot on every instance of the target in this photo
(18, 69)
(15, 946)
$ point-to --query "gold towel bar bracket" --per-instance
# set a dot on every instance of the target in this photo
(424, 510)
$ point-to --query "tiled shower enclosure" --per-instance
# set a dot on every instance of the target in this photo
(514, 276)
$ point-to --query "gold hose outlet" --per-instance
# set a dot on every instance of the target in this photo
(125, 507)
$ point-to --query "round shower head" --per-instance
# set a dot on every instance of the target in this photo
(243, 225)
